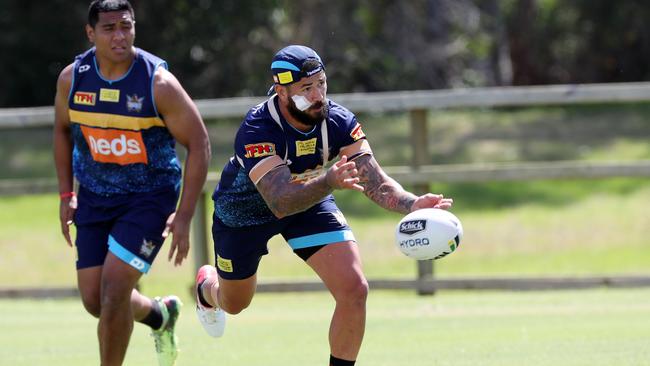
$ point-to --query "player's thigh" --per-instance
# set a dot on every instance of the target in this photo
(118, 280)
(320, 225)
(236, 295)
(239, 250)
(89, 284)
(136, 237)
(339, 266)
(91, 245)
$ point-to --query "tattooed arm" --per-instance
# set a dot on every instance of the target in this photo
(389, 194)
(286, 198)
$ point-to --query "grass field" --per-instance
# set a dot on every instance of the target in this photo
(587, 327)
(542, 228)
(562, 228)
(543, 233)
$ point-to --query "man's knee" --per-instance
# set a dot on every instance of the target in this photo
(235, 305)
(92, 305)
(115, 296)
(355, 292)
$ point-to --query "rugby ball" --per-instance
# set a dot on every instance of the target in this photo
(429, 233)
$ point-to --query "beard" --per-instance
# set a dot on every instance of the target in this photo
(305, 117)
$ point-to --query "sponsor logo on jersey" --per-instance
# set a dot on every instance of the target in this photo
(412, 227)
(84, 68)
(224, 264)
(338, 215)
(109, 95)
(357, 133)
(147, 247)
(306, 147)
(137, 263)
(259, 150)
(115, 146)
(133, 103)
(84, 98)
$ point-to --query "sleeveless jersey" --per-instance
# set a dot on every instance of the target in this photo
(263, 133)
(121, 144)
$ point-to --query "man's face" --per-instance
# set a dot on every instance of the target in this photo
(113, 35)
(314, 90)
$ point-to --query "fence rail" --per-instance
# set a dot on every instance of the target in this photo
(398, 101)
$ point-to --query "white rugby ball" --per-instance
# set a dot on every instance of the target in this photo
(429, 233)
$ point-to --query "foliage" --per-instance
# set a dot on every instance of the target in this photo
(223, 48)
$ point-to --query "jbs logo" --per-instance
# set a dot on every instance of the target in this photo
(306, 147)
(109, 95)
(259, 150)
(84, 98)
(115, 146)
(412, 227)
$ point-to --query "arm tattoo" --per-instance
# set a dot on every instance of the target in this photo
(285, 198)
(381, 188)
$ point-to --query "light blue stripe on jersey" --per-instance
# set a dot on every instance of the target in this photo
(127, 256)
(321, 239)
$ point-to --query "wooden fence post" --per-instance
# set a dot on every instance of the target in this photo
(200, 232)
(420, 144)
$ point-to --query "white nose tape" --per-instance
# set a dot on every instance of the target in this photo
(301, 102)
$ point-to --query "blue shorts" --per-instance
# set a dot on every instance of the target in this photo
(130, 226)
(238, 251)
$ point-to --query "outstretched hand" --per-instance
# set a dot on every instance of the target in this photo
(343, 175)
(180, 228)
(431, 200)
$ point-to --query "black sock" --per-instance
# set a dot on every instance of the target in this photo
(154, 319)
(335, 361)
(200, 295)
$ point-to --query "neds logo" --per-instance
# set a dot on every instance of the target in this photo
(115, 146)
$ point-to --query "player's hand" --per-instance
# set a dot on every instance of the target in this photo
(343, 175)
(431, 200)
(67, 207)
(179, 227)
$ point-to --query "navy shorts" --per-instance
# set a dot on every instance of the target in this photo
(130, 226)
(238, 250)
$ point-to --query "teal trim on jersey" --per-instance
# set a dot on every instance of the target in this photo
(284, 65)
(110, 82)
(153, 78)
(128, 257)
(74, 72)
(303, 133)
(321, 239)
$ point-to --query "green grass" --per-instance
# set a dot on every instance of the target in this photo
(586, 327)
(542, 228)
(563, 228)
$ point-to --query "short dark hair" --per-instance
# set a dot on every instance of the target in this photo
(103, 6)
(310, 64)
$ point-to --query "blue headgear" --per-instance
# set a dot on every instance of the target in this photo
(288, 65)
